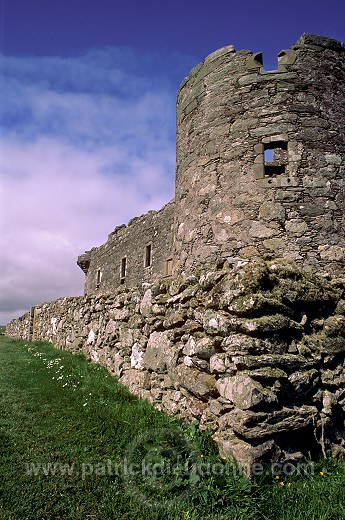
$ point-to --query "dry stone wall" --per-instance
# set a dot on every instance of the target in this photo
(253, 350)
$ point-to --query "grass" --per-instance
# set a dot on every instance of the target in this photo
(75, 444)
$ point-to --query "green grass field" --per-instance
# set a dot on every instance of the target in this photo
(76, 445)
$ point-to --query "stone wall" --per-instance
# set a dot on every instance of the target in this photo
(261, 157)
(252, 350)
(260, 162)
(139, 252)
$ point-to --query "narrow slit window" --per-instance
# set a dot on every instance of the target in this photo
(123, 270)
(168, 267)
(275, 158)
(148, 255)
(98, 279)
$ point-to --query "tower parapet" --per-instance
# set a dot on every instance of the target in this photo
(261, 157)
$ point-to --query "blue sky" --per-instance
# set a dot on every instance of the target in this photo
(87, 99)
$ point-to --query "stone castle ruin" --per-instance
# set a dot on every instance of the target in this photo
(259, 170)
(227, 306)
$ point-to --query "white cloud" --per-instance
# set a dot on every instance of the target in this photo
(88, 144)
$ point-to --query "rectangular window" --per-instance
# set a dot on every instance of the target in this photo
(168, 267)
(99, 277)
(123, 270)
(148, 255)
(275, 158)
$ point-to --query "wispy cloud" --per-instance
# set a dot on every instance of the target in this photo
(88, 143)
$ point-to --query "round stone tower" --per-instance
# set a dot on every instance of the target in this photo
(261, 157)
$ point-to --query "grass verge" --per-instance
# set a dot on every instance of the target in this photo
(74, 444)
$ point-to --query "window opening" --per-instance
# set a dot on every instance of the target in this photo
(168, 267)
(270, 62)
(148, 255)
(275, 158)
(99, 277)
(123, 270)
(268, 155)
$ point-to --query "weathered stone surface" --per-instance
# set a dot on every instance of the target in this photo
(127, 338)
(119, 314)
(202, 347)
(137, 357)
(334, 325)
(170, 401)
(209, 279)
(112, 327)
(285, 361)
(218, 363)
(277, 245)
(239, 344)
(274, 323)
(185, 295)
(160, 352)
(146, 303)
(258, 425)
(244, 392)
(216, 322)
(174, 318)
(265, 373)
(323, 344)
(259, 230)
(215, 407)
(304, 382)
(116, 364)
(246, 454)
(198, 383)
(304, 287)
(333, 378)
(329, 252)
(179, 284)
(193, 406)
(272, 211)
(340, 309)
(255, 304)
(136, 380)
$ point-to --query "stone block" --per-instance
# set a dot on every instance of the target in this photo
(146, 303)
(272, 211)
(259, 230)
(260, 425)
(332, 253)
(216, 322)
(244, 392)
(248, 456)
(136, 380)
(202, 347)
(304, 382)
(200, 384)
(160, 352)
